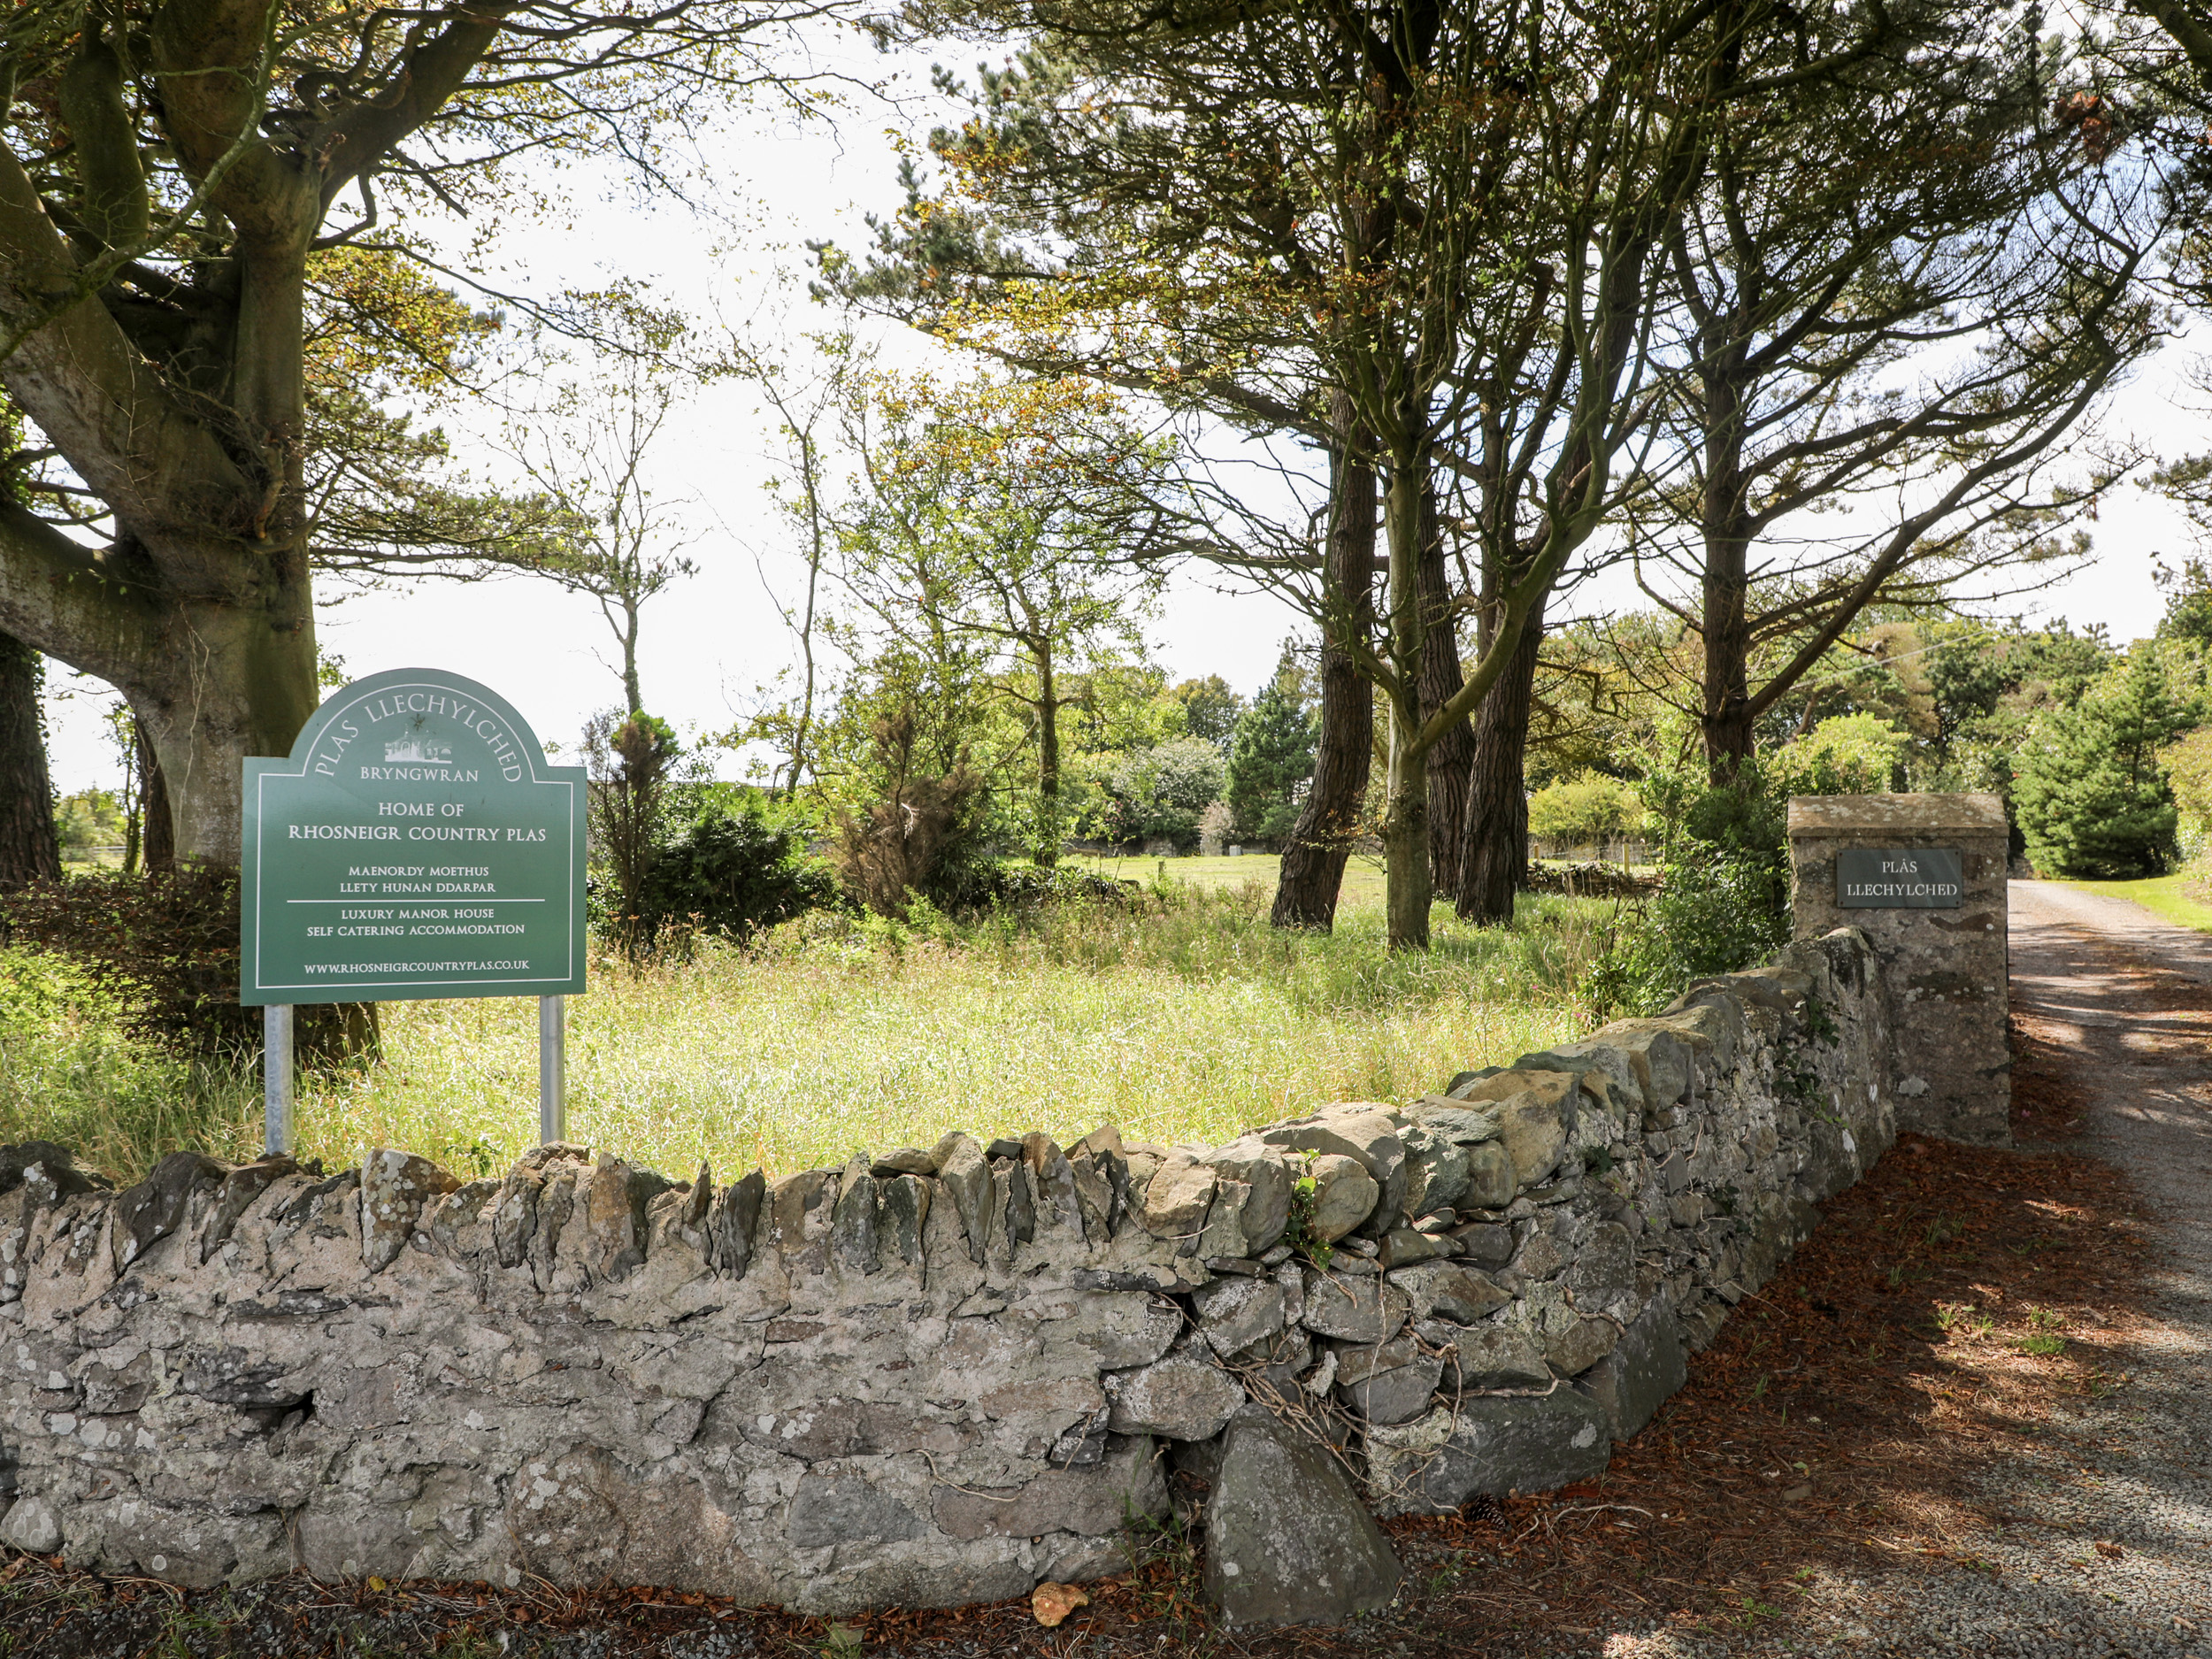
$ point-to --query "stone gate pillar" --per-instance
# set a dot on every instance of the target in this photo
(1923, 876)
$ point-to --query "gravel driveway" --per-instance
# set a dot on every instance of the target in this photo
(2131, 1472)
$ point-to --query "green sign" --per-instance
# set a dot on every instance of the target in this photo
(413, 844)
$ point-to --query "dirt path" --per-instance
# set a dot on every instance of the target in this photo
(2088, 970)
(2115, 1006)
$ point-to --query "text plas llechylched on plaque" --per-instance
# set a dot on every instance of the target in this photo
(1899, 877)
(415, 843)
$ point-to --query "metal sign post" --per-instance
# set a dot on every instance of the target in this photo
(414, 844)
(276, 1079)
(552, 1070)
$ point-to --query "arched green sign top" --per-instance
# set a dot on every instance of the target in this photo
(415, 843)
(422, 717)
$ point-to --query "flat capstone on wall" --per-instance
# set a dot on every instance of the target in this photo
(939, 1376)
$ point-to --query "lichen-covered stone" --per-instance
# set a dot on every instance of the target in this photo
(1404, 1247)
(1496, 1444)
(1095, 1502)
(240, 1190)
(1265, 1208)
(904, 1161)
(1624, 1079)
(1571, 1347)
(800, 1208)
(1353, 1309)
(157, 1206)
(966, 1175)
(1660, 1056)
(1645, 1368)
(1178, 1196)
(1490, 1177)
(1236, 1312)
(1603, 1271)
(1449, 1291)
(1344, 1196)
(1184, 1396)
(902, 1212)
(395, 1186)
(1500, 1356)
(1390, 1382)
(1052, 1180)
(1485, 1244)
(1533, 1126)
(732, 1220)
(1367, 1135)
(1287, 1540)
(611, 1238)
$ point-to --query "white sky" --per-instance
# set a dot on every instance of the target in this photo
(707, 641)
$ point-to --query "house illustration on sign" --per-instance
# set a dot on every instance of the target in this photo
(419, 747)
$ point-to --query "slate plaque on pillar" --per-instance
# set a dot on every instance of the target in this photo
(1899, 877)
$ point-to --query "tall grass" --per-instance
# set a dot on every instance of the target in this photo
(1184, 1017)
(68, 1072)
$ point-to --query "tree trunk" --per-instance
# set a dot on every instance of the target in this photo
(1494, 827)
(630, 692)
(1313, 859)
(1451, 758)
(1048, 851)
(1410, 883)
(1724, 719)
(29, 850)
(157, 838)
(200, 610)
(1409, 888)
(241, 681)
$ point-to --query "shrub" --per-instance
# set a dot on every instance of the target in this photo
(1716, 911)
(163, 946)
(732, 872)
(1846, 754)
(1722, 902)
(1162, 790)
(1026, 888)
(2188, 765)
(1588, 808)
(629, 768)
(924, 836)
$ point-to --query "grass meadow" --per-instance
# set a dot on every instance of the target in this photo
(1183, 1016)
(2184, 898)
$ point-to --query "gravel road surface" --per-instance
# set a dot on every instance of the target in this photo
(2111, 1548)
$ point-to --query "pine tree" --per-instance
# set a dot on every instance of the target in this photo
(2093, 798)
(1270, 754)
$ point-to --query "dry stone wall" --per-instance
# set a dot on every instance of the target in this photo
(940, 1376)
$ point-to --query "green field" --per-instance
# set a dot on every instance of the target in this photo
(1363, 874)
(1184, 1017)
(2185, 898)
